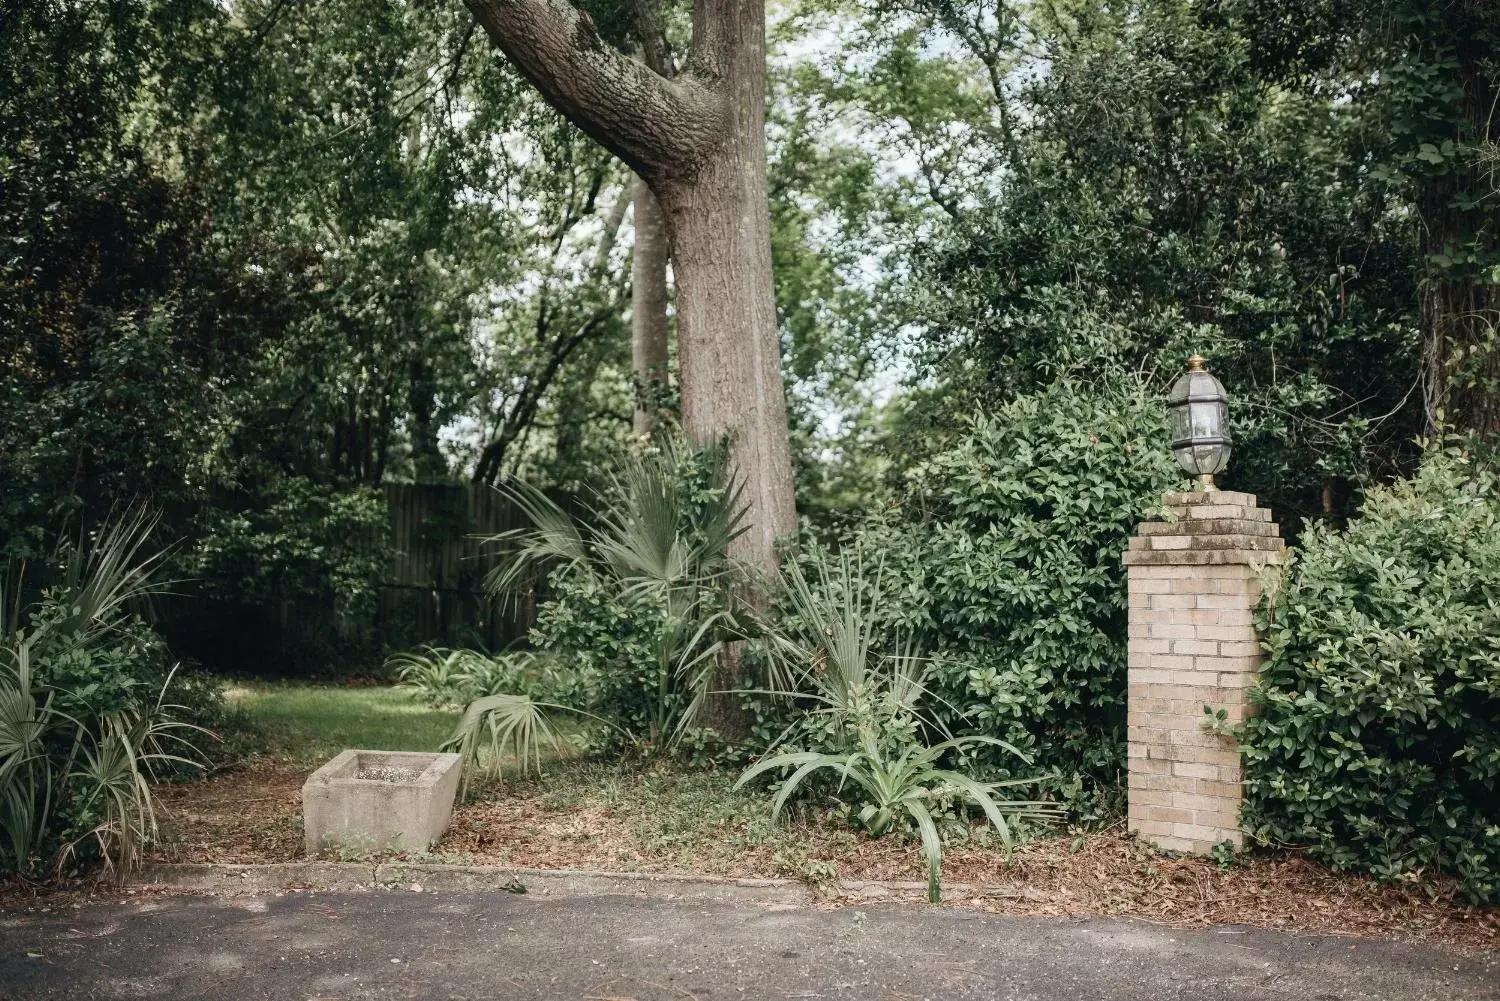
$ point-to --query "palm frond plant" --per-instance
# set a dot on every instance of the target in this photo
(823, 651)
(652, 544)
(64, 760)
(438, 675)
(504, 725)
(116, 769)
(864, 712)
(527, 671)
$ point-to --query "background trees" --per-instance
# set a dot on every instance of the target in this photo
(262, 257)
(1084, 188)
(259, 260)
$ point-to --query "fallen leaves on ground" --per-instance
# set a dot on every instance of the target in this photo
(253, 814)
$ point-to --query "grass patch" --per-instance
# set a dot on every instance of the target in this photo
(310, 723)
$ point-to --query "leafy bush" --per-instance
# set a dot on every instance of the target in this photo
(318, 549)
(84, 722)
(442, 677)
(1378, 740)
(1004, 566)
(863, 719)
(643, 600)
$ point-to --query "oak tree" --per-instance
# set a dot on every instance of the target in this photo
(697, 140)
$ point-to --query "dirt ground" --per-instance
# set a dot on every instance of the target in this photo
(631, 822)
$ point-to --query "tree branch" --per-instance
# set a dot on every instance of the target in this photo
(661, 128)
(492, 456)
(656, 51)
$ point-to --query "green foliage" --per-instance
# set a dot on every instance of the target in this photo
(911, 786)
(84, 722)
(864, 719)
(1378, 740)
(439, 676)
(319, 547)
(839, 678)
(1065, 190)
(642, 596)
(246, 278)
(443, 677)
(1004, 568)
(500, 722)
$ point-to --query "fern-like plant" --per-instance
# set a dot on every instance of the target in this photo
(437, 675)
(865, 702)
(58, 751)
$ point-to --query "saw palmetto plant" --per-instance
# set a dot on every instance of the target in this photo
(866, 703)
(66, 762)
(648, 541)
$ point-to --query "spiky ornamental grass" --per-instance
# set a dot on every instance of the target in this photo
(867, 700)
(82, 762)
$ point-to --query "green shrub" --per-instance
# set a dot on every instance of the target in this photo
(444, 677)
(320, 549)
(643, 598)
(1378, 740)
(1004, 568)
(85, 722)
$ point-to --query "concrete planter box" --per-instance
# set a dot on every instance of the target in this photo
(376, 800)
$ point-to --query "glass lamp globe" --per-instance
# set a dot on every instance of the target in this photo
(1199, 412)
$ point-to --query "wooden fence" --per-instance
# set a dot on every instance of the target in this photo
(433, 593)
(435, 590)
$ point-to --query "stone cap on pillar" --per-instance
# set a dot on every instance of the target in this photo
(1204, 528)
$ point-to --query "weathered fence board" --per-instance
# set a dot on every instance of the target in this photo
(435, 591)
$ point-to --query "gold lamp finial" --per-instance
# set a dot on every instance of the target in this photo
(1195, 363)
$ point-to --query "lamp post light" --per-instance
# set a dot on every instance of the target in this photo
(1200, 423)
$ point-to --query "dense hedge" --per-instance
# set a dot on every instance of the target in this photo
(1005, 570)
(1378, 743)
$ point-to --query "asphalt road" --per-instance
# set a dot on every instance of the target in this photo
(470, 946)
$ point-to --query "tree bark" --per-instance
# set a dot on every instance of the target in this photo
(1461, 309)
(698, 140)
(728, 353)
(657, 126)
(648, 309)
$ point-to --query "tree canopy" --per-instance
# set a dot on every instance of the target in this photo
(261, 257)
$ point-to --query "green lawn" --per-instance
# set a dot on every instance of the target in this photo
(312, 722)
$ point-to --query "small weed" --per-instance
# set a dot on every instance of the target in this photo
(793, 862)
(1228, 856)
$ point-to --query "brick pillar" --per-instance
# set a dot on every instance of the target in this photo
(1193, 590)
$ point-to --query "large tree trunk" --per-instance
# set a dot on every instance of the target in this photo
(698, 139)
(729, 361)
(728, 354)
(648, 308)
(728, 349)
(1461, 303)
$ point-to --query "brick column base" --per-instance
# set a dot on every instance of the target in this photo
(1194, 586)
